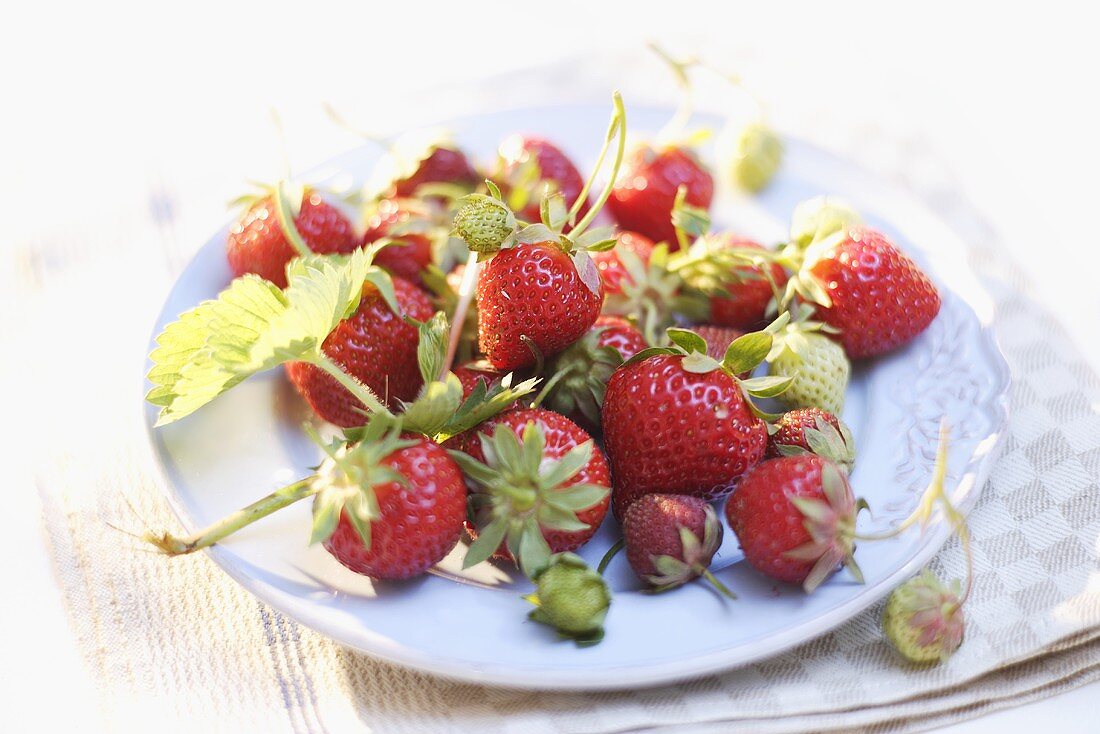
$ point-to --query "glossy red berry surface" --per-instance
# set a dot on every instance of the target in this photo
(610, 264)
(443, 165)
(745, 302)
(419, 523)
(376, 347)
(880, 298)
(644, 195)
(411, 253)
(619, 334)
(767, 523)
(555, 169)
(670, 431)
(256, 242)
(532, 291)
(651, 527)
(562, 435)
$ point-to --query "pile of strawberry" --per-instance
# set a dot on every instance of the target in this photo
(503, 371)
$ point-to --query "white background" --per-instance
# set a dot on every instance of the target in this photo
(101, 103)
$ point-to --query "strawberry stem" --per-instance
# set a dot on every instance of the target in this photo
(611, 552)
(286, 221)
(674, 128)
(174, 546)
(465, 295)
(718, 585)
(360, 391)
(617, 126)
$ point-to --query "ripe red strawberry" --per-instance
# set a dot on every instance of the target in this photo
(419, 519)
(257, 243)
(644, 194)
(795, 519)
(748, 292)
(674, 431)
(412, 251)
(520, 157)
(581, 372)
(670, 539)
(390, 506)
(812, 430)
(874, 294)
(375, 346)
(442, 165)
(610, 264)
(533, 291)
(539, 486)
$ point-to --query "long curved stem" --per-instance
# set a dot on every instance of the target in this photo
(277, 500)
(617, 126)
(611, 552)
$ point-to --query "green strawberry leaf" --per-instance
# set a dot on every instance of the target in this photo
(184, 374)
(700, 363)
(747, 351)
(318, 299)
(488, 540)
(767, 387)
(689, 341)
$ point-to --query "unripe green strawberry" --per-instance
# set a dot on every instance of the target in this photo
(571, 598)
(484, 223)
(923, 619)
(759, 153)
(820, 370)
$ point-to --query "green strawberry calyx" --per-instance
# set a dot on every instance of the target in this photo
(347, 478)
(653, 294)
(695, 558)
(439, 410)
(831, 524)
(838, 446)
(520, 491)
(743, 355)
(572, 598)
(579, 376)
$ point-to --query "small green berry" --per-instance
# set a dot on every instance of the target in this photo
(572, 598)
(923, 619)
(758, 155)
(484, 223)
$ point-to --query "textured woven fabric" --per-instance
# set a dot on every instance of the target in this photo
(178, 643)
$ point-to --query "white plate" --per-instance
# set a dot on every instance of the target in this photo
(474, 627)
